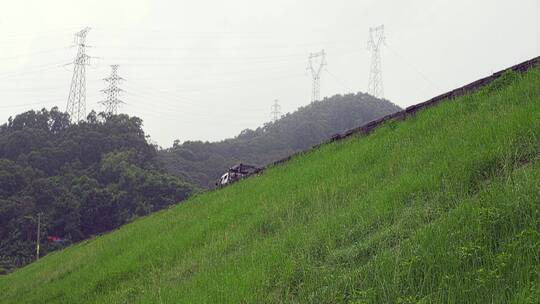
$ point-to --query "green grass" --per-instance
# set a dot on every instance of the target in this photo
(441, 208)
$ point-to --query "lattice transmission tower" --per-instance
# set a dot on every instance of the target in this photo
(76, 105)
(375, 41)
(113, 91)
(317, 61)
(276, 111)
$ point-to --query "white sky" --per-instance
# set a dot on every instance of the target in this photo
(205, 70)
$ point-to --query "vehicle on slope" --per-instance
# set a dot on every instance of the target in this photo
(236, 173)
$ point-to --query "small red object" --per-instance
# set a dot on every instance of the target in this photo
(53, 238)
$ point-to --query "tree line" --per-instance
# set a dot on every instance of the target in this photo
(83, 179)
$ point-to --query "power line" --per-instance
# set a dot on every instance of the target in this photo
(316, 73)
(229, 85)
(149, 101)
(175, 103)
(34, 69)
(166, 60)
(165, 97)
(49, 32)
(27, 105)
(413, 67)
(376, 38)
(113, 91)
(34, 53)
(76, 105)
(339, 81)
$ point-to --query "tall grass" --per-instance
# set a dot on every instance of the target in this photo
(443, 207)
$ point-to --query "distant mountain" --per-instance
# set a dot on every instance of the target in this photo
(201, 163)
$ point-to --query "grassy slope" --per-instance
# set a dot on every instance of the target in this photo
(443, 207)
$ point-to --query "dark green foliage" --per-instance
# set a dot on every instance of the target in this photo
(85, 179)
(202, 162)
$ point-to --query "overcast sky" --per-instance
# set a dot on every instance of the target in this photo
(205, 70)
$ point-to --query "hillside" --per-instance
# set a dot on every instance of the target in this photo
(80, 180)
(202, 163)
(442, 207)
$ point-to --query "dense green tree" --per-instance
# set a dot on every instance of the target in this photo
(83, 179)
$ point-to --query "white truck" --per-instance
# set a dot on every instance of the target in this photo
(236, 173)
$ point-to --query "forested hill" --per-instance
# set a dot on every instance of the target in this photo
(201, 163)
(84, 179)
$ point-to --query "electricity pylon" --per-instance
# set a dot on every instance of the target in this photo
(112, 91)
(276, 111)
(376, 39)
(76, 105)
(316, 73)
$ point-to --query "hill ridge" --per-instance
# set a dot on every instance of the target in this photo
(369, 127)
(202, 162)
